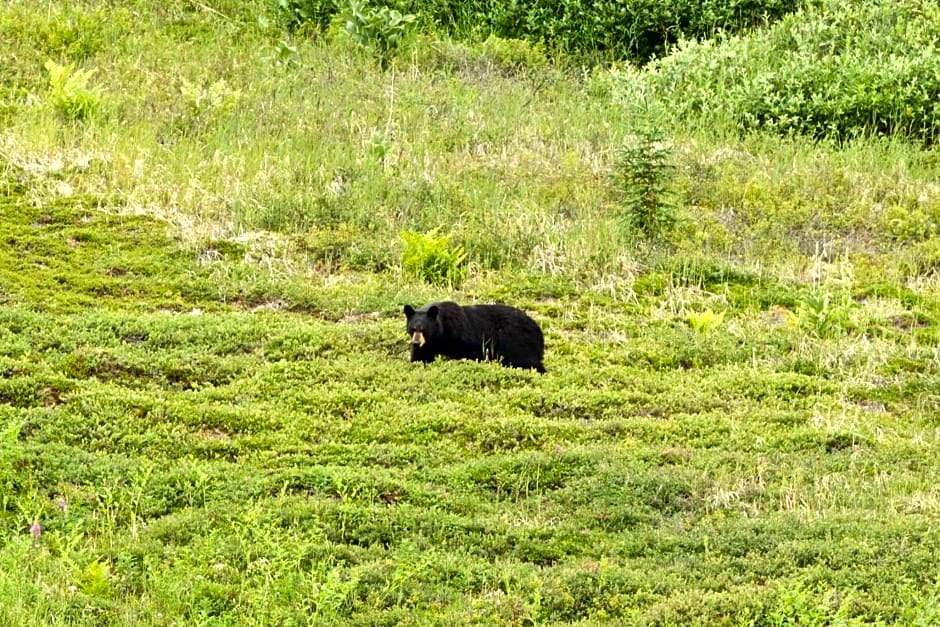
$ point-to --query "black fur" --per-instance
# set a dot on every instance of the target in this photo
(481, 332)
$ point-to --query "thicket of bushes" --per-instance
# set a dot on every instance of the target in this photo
(621, 29)
(827, 69)
(835, 70)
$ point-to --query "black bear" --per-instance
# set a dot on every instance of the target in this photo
(482, 332)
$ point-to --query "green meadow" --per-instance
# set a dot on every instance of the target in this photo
(212, 214)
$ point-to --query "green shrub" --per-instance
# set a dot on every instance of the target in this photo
(431, 257)
(798, 604)
(642, 178)
(295, 14)
(704, 322)
(825, 315)
(512, 55)
(626, 29)
(836, 70)
(379, 29)
(70, 93)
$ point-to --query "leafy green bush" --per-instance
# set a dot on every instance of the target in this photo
(642, 177)
(70, 92)
(825, 315)
(626, 29)
(704, 322)
(294, 14)
(203, 103)
(835, 70)
(379, 29)
(431, 257)
(512, 55)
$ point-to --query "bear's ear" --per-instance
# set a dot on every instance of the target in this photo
(409, 311)
(432, 312)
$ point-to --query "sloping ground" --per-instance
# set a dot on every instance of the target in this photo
(170, 457)
(737, 429)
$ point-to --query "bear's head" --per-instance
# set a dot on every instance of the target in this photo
(423, 325)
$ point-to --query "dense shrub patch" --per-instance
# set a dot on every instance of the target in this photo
(835, 70)
(623, 29)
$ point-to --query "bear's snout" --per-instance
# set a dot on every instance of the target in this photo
(417, 339)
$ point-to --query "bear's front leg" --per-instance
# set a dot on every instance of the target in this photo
(421, 354)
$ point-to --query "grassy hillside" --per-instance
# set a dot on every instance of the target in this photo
(838, 73)
(207, 413)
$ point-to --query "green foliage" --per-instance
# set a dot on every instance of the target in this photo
(923, 609)
(202, 100)
(513, 55)
(705, 322)
(825, 316)
(63, 31)
(10, 456)
(295, 14)
(204, 104)
(284, 55)
(94, 579)
(912, 224)
(140, 262)
(379, 29)
(70, 92)
(837, 69)
(629, 29)
(643, 180)
(431, 257)
(797, 604)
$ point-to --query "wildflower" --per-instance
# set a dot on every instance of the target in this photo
(35, 530)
